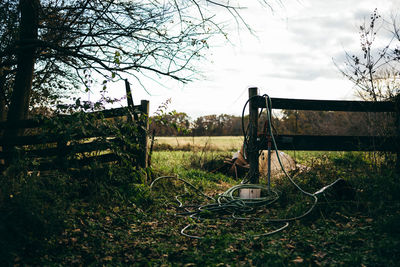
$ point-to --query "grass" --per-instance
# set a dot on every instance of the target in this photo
(221, 143)
(351, 226)
(115, 220)
(226, 145)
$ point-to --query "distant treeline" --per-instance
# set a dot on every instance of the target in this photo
(285, 122)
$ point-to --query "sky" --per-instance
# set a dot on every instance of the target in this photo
(290, 55)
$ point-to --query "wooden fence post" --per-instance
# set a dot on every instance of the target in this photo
(143, 153)
(252, 150)
(397, 102)
(128, 94)
(62, 159)
(129, 99)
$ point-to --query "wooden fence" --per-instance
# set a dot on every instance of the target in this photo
(318, 142)
(55, 147)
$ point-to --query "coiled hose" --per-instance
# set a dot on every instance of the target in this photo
(227, 205)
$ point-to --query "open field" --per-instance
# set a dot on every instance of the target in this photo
(223, 143)
(229, 144)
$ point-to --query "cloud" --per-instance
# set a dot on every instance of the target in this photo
(322, 33)
(292, 55)
(316, 39)
(296, 66)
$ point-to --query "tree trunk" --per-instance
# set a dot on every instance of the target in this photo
(2, 108)
(3, 113)
(19, 104)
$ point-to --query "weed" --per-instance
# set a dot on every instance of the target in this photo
(118, 220)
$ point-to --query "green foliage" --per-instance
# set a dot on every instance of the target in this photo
(200, 175)
(117, 221)
(36, 207)
(167, 123)
(84, 139)
(32, 209)
(355, 223)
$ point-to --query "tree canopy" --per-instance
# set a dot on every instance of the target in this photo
(48, 47)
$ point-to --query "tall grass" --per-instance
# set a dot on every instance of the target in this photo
(113, 219)
(355, 223)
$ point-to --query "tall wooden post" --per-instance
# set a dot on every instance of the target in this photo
(397, 101)
(252, 150)
(143, 142)
(128, 93)
(129, 99)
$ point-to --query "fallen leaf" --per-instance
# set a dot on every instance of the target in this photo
(290, 246)
(298, 260)
(319, 255)
(108, 258)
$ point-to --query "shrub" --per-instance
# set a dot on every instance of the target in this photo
(32, 208)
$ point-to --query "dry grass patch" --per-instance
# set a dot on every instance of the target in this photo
(221, 143)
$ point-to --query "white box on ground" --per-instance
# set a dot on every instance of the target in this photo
(247, 193)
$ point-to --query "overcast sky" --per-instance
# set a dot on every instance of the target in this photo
(291, 56)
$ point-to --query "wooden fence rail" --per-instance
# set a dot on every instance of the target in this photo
(319, 142)
(50, 150)
(327, 105)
